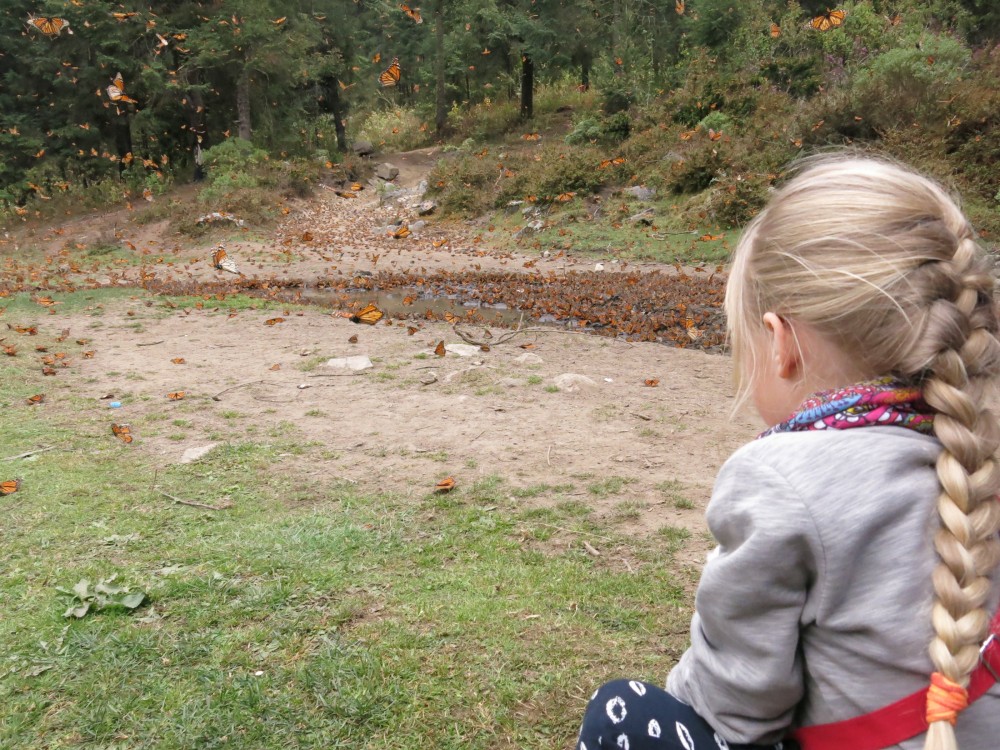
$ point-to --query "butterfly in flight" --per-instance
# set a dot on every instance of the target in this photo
(829, 20)
(390, 76)
(51, 27)
(116, 91)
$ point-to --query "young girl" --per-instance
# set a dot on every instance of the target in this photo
(857, 539)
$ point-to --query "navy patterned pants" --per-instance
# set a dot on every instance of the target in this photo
(632, 715)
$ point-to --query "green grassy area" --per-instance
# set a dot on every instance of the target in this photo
(608, 233)
(303, 613)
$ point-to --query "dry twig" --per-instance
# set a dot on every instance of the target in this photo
(27, 454)
(194, 504)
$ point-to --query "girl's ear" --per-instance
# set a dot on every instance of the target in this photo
(784, 347)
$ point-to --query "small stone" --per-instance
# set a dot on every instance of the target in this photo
(363, 148)
(572, 382)
(428, 379)
(386, 171)
(598, 266)
(417, 225)
(426, 208)
(644, 217)
(640, 192)
(528, 359)
(354, 364)
(193, 454)
(463, 350)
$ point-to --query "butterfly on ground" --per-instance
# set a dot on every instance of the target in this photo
(38, 398)
(390, 76)
(829, 20)
(413, 13)
(50, 26)
(402, 233)
(10, 486)
(445, 485)
(222, 261)
(176, 395)
(440, 350)
(123, 432)
(369, 314)
(273, 321)
(116, 91)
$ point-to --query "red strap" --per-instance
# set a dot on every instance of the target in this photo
(903, 719)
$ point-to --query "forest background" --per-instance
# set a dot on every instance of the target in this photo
(709, 101)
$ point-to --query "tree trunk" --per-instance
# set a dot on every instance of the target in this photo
(243, 104)
(337, 110)
(441, 102)
(527, 86)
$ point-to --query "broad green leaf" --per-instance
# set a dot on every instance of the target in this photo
(131, 601)
(78, 611)
(82, 590)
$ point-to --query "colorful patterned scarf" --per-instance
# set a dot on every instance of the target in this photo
(885, 401)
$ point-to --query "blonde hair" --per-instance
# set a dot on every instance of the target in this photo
(880, 262)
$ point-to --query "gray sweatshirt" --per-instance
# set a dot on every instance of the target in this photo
(815, 607)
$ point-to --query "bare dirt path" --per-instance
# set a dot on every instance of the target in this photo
(642, 455)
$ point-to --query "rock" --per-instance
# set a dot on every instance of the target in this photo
(193, 454)
(354, 364)
(386, 171)
(463, 350)
(363, 148)
(512, 207)
(426, 208)
(529, 359)
(598, 266)
(511, 382)
(417, 225)
(644, 217)
(572, 383)
(428, 379)
(640, 192)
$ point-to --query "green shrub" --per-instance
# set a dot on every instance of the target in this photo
(697, 169)
(735, 200)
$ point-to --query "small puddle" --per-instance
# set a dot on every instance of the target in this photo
(412, 302)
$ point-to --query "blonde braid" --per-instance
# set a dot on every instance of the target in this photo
(958, 351)
(880, 262)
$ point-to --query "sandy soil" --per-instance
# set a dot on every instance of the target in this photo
(413, 418)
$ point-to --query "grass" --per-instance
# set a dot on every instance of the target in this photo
(342, 618)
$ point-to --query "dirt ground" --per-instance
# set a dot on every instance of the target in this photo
(645, 455)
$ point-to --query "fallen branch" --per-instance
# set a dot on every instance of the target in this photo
(233, 388)
(26, 454)
(194, 504)
(571, 531)
(151, 343)
(505, 337)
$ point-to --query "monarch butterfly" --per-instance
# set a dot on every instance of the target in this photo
(390, 76)
(124, 16)
(222, 261)
(123, 432)
(176, 395)
(679, 7)
(370, 315)
(651, 382)
(402, 232)
(36, 399)
(413, 13)
(353, 339)
(829, 20)
(439, 350)
(116, 91)
(49, 26)
(10, 486)
(445, 485)
(775, 31)
(273, 321)
(178, 360)
(895, 19)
